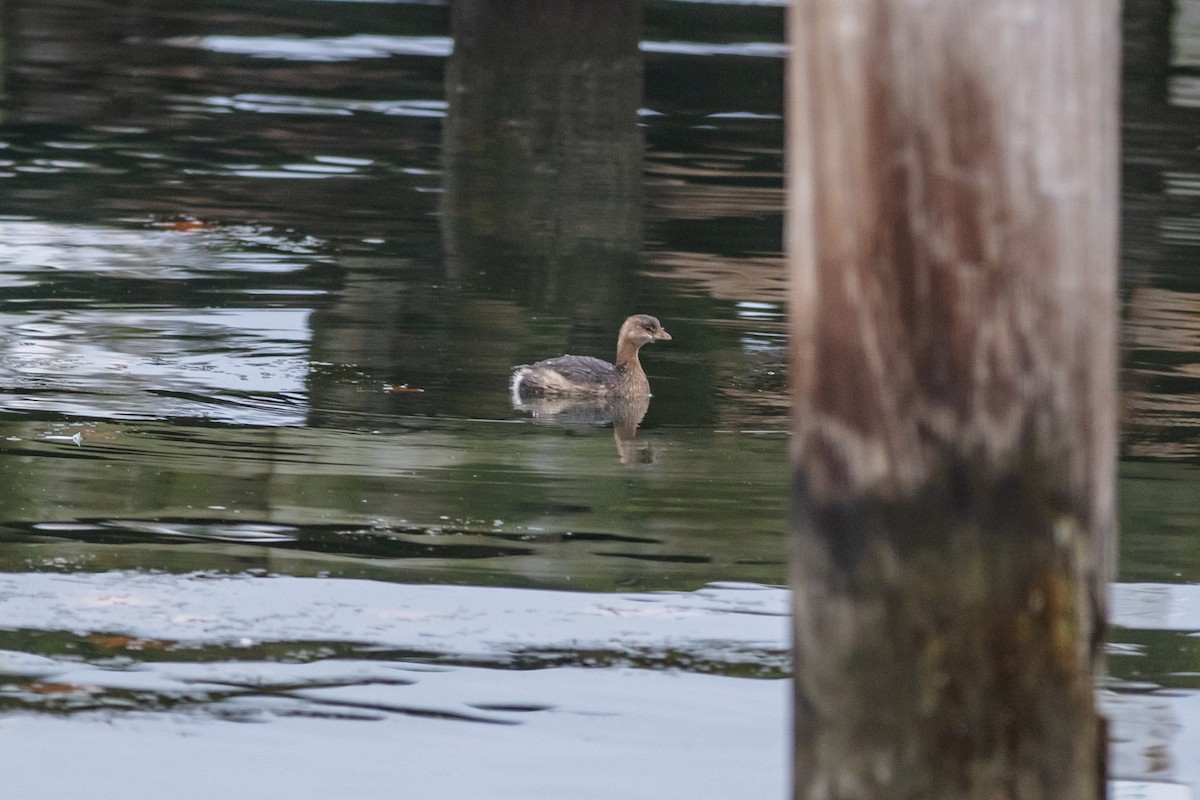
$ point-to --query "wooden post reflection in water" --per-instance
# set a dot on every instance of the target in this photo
(952, 241)
(543, 154)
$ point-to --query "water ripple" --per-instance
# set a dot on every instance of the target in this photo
(321, 49)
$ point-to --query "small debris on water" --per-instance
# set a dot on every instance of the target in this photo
(183, 224)
(76, 438)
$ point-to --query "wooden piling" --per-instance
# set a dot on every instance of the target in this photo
(952, 236)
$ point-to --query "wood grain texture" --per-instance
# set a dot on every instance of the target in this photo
(952, 237)
(953, 176)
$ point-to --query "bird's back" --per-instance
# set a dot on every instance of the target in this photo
(567, 375)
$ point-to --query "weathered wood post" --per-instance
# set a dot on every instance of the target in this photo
(952, 238)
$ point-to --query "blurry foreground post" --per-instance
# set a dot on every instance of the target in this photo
(952, 237)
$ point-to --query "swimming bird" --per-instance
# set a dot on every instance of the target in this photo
(585, 376)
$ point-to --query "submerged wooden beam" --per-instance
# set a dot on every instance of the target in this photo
(952, 234)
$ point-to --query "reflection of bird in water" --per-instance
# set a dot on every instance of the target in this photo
(584, 376)
(625, 414)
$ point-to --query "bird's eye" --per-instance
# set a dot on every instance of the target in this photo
(649, 328)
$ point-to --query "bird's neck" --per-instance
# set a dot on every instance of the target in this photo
(627, 355)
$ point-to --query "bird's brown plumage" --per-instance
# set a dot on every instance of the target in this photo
(581, 376)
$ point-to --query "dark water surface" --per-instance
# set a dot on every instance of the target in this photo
(264, 268)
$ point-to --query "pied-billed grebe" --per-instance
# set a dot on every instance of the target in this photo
(584, 376)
